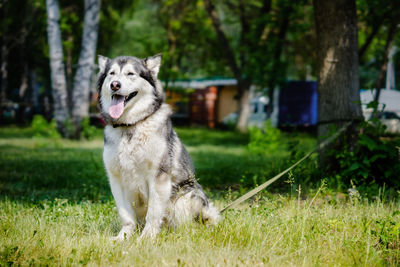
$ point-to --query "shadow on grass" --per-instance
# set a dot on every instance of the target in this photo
(220, 171)
(48, 173)
(202, 136)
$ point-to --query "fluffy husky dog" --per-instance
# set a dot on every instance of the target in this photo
(150, 172)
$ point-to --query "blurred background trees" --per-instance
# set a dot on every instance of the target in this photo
(258, 42)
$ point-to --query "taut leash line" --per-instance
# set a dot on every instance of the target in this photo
(270, 181)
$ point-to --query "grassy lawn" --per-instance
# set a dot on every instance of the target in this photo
(56, 209)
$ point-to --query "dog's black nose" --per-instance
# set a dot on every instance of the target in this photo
(115, 85)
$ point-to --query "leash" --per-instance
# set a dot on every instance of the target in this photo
(270, 181)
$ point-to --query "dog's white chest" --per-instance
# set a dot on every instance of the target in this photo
(126, 158)
(132, 156)
(126, 153)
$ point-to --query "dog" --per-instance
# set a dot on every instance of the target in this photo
(151, 174)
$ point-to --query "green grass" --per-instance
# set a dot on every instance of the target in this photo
(56, 209)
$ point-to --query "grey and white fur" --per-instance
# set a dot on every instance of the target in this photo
(150, 172)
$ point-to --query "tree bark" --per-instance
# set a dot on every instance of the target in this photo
(338, 82)
(58, 80)
(81, 88)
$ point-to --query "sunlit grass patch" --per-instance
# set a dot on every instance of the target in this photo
(273, 231)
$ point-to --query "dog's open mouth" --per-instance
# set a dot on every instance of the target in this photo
(118, 103)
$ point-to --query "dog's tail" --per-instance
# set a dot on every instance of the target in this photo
(210, 214)
(194, 205)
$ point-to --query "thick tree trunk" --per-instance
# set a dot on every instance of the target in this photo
(338, 82)
(81, 88)
(58, 80)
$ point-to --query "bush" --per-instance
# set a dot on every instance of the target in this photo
(42, 128)
(88, 131)
(373, 162)
(265, 140)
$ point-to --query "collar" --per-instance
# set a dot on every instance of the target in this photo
(122, 125)
(130, 124)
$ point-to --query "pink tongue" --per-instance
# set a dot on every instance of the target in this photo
(117, 106)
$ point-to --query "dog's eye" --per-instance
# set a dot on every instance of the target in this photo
(130, 74)
(112, 73)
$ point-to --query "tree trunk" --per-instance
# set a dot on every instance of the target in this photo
(243, 85)
(244, 108)
(381, 76)
(81, 88)
(276, 61)
(24, 82)
(69, 71)
(4, 73)
(338, 83)
(35, 92)
(58, 80)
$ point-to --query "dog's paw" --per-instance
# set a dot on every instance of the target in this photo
(124, 234)
(149, 232)
(117, 239)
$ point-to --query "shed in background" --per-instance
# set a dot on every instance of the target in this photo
(203, 102)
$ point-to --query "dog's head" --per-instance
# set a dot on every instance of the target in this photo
(129, 90)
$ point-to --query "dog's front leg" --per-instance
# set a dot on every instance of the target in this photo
(125, 211)
(159, 197)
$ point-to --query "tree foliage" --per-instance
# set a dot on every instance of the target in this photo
(376, 18)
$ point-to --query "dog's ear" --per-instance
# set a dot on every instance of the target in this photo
(102, 61)
(153, 63)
